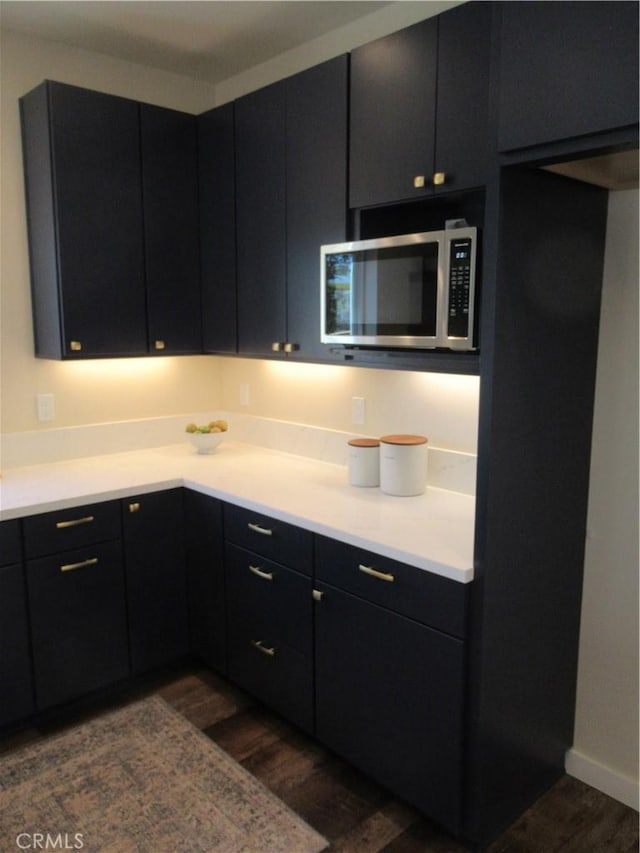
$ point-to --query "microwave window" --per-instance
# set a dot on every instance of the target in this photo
(390, 291)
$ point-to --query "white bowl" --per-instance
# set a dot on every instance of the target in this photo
(205, 442)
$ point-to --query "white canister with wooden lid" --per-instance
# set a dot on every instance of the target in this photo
(364, 462)
(403, 464)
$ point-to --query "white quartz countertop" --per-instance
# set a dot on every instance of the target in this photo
(433, 531)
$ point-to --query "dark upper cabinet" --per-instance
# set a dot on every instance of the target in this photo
(291, 149)
(261, 219)
(566, 70)
(170, 192)
(317, 117)
(154, 554)
(84, 209)
(420, 107)
(216, 163)
(90, 216)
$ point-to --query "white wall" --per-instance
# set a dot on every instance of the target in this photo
(606, 736)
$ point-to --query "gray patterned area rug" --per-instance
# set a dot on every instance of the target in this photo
(141, 779)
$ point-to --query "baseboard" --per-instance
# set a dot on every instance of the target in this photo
(621, 788)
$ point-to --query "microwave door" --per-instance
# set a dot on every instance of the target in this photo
(338, 295)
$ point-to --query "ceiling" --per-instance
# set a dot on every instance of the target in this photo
(209, 40)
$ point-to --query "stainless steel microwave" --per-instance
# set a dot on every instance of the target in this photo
(415, 290)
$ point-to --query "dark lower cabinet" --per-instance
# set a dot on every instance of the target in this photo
(16, 683)
(389, 699)
(270, 633)
(270, 616)
(78, 616)
(390, 661)
(152, 526)
(205, 578)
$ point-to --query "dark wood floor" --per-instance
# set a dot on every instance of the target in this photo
(351, 811)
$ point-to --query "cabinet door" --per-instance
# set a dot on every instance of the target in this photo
(218, 229)
(317, 116)
(566, 69)
(156, 578)
(16, 685)
(389, 698)
(82, 168)
(205, 578)
(261, 219)
(78, 615)
(393, 101)
(170, 193)
(270, 625)
(462, 120)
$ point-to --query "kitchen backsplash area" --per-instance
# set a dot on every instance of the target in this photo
(447, 469)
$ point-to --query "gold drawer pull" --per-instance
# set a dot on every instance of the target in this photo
(71, 567)
(383, 576)
(75, 346)
(61, 525)
(159, 345)
(257, 644)
(134, 507)
(258, 529)
(317, 594)
(439, 178)
(267, 576)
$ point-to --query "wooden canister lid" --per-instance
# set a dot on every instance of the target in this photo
(404, 439)
(364, 442)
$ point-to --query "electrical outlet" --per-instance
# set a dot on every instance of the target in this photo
(244, 394)
(46, 407)
(358, 410)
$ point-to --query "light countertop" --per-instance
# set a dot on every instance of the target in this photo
(433, 531)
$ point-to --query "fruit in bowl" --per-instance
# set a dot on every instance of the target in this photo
(206, 438)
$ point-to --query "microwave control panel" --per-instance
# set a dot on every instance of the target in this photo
(460, 288)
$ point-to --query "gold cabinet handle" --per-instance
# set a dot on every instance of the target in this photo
(439, 178)
(277, 346)
(317, 594)
(266, 650)
(159, 345)
(257, 528)
(267, 576)
(75, 346)
(74, 522)
(71, 567)
(418, 182)
(289, 347)
(134, 507)
(374, 573)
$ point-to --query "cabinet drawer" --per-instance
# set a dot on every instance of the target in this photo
(435, 601)
(71, 528)
(10, 545)
(78, 622)
(269, 599)
(285, 543)
(273, 672)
